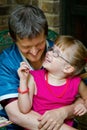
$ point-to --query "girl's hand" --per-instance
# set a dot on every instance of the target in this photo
(80, 109)
(23, 71)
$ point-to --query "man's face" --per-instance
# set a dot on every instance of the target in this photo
(33, 48)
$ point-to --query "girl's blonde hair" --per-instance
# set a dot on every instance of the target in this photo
(77, 56)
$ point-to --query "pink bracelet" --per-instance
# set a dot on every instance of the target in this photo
(23, 92)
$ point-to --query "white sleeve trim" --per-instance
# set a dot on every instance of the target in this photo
(7, 96)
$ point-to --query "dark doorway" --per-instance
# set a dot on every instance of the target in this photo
(75, 19)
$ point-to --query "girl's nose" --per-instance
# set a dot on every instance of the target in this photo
(49, 52)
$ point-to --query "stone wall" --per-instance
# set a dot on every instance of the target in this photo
(51, 8)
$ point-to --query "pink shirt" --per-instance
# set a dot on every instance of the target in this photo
(45, 100)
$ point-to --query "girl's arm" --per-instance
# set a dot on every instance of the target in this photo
(25, 100)
(81, 108)
(26, 88)
(83, 92)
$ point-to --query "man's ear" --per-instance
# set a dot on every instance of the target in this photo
(69, 69)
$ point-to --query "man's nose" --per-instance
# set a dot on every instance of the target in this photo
(34, 51)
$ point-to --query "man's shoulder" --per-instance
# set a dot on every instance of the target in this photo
(9, 51)
(10, 55)
(50, 43)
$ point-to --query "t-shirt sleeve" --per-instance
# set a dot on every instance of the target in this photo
(9, 80)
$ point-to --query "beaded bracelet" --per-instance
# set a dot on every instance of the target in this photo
(23, 92)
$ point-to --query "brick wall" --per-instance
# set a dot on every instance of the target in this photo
(51, 8)
(52, 12)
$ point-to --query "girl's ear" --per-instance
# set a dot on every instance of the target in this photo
(69, 69)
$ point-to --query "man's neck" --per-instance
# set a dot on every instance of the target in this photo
(36, 65)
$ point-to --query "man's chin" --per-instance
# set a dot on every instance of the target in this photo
(34, 59)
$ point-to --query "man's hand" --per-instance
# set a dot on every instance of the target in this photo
(52, 119)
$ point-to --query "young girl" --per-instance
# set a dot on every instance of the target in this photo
(58, 83)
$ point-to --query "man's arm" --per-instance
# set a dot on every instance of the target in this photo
(29, 121)
(55, 118)
(66, 127)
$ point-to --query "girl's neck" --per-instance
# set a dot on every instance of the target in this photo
(53, 76)
(59, 80)
(57, 84)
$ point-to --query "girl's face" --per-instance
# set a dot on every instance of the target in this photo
(34, 48)
(55, 60)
